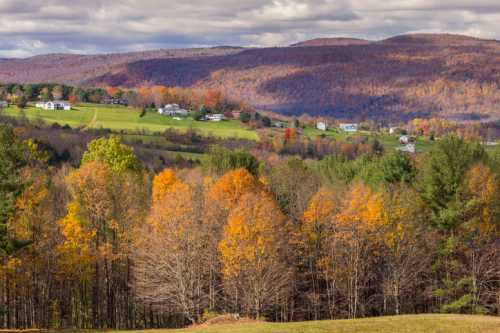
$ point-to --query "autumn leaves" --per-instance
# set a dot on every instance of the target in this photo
(208, 239)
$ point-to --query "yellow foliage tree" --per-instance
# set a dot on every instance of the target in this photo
(355, 232)
(76, 254)
(161, 184)
(312, 240)
(229, 188)
(170, 266)
(250, 252)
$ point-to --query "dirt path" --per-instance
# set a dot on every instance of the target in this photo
(92, 121)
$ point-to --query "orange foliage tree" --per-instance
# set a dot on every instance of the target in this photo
(251, 253)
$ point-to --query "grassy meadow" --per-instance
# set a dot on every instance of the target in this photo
(389, 141)
(428, 323)
(125, 118)
(118, 118)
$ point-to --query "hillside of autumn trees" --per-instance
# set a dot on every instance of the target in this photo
(110, 243)
(403, 77)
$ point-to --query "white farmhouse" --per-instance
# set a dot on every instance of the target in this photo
(408, 148)
(215, 117)
(321, 126)
(349, 127)
(406, 139)
(54, 105)
(172, 110)
(393, 130)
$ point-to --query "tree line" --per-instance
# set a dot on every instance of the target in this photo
(111, 244)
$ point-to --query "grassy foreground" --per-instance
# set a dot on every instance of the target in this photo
(436, 323)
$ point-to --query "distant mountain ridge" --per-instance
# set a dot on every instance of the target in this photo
(402, 77)
(339, 41)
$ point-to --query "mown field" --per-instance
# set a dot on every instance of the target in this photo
(124, 118)
(428, 323)
(118, 118)
(389, 141)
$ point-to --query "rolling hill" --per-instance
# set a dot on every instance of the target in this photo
(418, 75)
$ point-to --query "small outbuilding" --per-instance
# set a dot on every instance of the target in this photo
(172, 110)
(322, 126)
(349, 127)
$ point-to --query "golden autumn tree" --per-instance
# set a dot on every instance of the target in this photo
(170, 266)
(251, 252)
(405, 237)
(227, 191)
(31, 224)
(481, 232)
(221, 197)
(91, 189)
(111, 202)
(312, 237)
(355, 230)
(76, 254)
(161, 184)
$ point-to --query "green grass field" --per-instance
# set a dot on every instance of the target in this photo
(124, 118)
(389, 141)
(428, 323)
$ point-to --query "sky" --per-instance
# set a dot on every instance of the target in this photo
(32, 27)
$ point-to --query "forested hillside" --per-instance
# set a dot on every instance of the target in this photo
(397, 78)
(107, 242)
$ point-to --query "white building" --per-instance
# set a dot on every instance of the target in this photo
(4, 104)
(406, 139)
(215, 117)
(393, 130)
(172, 110)
(408, 148)
(349, 127)
(279, 124)
(321, 126)
(54, 105)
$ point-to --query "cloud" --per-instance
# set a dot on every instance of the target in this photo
(30, 27)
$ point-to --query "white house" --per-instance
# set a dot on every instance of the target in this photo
(349, 127)
(406, 139)
(393, 130)
(321, 126)
(54, 105)
(172, 110)
(408, 148)
(279, 124)
(4, 104)
(215, 117)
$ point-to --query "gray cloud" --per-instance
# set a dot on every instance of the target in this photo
(30, 27)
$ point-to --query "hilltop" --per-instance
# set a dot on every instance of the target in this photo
(403, 77)
(341, 41)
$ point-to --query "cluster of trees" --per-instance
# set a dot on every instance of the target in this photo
(110, 244)
(17, 94)
(146, 96)
(293, 142)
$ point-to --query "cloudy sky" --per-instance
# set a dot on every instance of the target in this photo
(30, 27)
